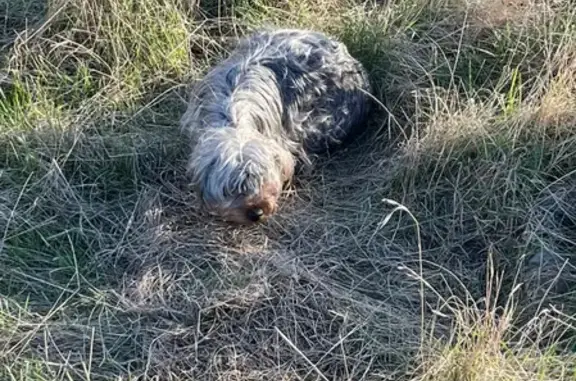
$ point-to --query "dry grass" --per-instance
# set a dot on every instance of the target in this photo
(466, 273)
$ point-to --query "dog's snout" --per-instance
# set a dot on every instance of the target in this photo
(255, 214)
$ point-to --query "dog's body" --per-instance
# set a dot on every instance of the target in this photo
(280, 97)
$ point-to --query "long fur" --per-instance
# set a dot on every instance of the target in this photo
(280, 97)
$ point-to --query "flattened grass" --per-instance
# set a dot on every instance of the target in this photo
(110, 272)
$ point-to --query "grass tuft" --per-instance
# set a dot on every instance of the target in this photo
(110, 271)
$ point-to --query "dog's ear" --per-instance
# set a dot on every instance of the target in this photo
(197, 169)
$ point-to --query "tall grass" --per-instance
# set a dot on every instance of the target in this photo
(110, 272)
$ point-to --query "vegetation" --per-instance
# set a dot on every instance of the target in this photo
(440, 246)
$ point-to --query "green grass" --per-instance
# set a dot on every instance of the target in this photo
(466, 273)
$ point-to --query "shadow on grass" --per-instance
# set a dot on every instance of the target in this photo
(18, 16)
(99, 221)
(68, 191)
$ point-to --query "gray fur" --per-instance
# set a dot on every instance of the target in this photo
(280, 97)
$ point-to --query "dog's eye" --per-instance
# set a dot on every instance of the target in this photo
(248, 185)
(244, 188)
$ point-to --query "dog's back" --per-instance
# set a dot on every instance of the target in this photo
(299, 87)
(324, 90)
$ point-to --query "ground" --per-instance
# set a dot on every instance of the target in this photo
(439, 246)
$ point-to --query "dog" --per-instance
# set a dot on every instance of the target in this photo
(281, 98)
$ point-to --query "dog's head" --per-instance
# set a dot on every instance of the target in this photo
(240, 175)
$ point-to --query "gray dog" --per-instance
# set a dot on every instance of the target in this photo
(279, 98)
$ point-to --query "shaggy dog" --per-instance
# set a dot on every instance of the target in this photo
(279, 99)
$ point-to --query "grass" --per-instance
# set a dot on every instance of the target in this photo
(466, 273)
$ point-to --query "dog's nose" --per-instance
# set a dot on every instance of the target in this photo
(255, 214)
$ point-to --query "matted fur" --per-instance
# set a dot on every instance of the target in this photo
(279, 97)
